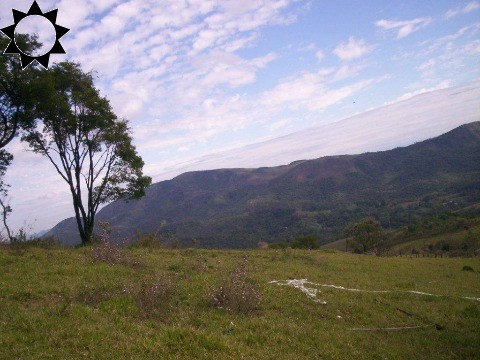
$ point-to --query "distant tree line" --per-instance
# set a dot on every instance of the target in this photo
(308, 242)
(457, 236)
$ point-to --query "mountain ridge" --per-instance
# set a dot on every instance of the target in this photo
(237, 208)
(394, 125)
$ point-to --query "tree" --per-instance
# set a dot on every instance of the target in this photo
(5, 208)
(16, 104)
(365, 234)
(89, 147)
(16, 90)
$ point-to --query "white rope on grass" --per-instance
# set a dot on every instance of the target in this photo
(393, 328)
(311, 293)
(471, 298)
(347, 289)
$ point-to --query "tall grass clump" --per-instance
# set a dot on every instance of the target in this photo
(103, 251)
(156, 240)
(19, 243)
(153, 296)
(237, 292)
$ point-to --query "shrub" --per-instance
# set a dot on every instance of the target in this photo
(21, 242)
(279, 245)
(103, 250)
(262, 245)
(305, 242)
(153, 240)
(153, 296)
(150, 241)
(365, 235)
(237, 292)
(467, 268)
(92, 296)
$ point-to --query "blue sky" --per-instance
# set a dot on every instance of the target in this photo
(203, 76)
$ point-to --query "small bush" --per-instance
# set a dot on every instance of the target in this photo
(262, 245)
(92, 296)
(279, 245)
(157, 240)
(153, 296)
(467, 268)
(147, 241)
(20, 242)
(305, 242)
(104, 251)
(237, 292)
(108, 253)
(301, 242)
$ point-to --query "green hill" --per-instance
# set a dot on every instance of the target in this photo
(236, 208)
(447, 235)
(160, 304)
(456, 241)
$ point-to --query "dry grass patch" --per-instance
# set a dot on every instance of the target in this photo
(237, 292)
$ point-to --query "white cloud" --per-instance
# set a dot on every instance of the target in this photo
(409, 95)
(347, 71)
(353, 49)
(403, 28)
(305, 92)
(429, 114)
(427, 65)
(320, 55)
(451, 60)
(313, 91)
(471, 6)
(226, 68)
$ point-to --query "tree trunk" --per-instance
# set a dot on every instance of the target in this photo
(80, 227)
(88, 237)
(5, 211)
(80, 221)
(88, 231)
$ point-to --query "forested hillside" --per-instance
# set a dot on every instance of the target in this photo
(237, 208)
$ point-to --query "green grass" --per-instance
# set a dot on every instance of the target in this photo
(58, 304)
(454, 239)
(336, 245)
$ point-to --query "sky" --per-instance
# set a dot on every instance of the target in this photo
(200, 79)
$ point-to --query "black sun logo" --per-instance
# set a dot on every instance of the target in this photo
(27, 59)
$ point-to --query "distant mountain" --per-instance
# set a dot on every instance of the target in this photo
(40, 233)
(401, 123)
(236, 208)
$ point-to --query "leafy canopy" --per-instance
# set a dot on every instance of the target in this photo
(365, 234)
(16, 104)
(90, 148)
(16, 90)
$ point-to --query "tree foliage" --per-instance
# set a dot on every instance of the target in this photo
(16, 90)
(89, 147)
(16, 104)
(365, 234)
(305, 242)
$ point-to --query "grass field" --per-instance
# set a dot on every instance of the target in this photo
(157, 304)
